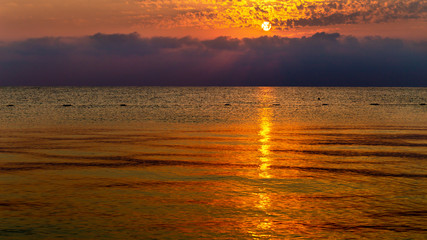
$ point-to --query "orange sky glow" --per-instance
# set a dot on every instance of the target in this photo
(212, 18)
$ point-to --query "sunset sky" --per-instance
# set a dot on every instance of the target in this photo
(139, 33)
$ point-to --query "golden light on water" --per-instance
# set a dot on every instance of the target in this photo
(264, 148)
(264, 132)
(264, 199)
(269, 176)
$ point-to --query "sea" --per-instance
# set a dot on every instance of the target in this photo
(213, 163)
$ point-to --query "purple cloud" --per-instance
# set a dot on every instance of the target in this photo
(126, 59)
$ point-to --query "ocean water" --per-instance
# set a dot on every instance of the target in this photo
(213, 163)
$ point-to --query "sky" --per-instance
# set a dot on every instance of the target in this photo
(213, 42)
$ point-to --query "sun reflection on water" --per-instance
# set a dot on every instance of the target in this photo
(264, 199)
(265, 115)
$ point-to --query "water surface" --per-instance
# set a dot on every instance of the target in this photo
(203, 163)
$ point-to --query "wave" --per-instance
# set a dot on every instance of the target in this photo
(342, 153)
(132, 162)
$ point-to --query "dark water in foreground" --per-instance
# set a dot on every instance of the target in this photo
(203, 163)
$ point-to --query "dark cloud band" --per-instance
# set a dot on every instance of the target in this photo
(126, 59)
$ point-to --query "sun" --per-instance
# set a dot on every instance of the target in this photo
(266, 26)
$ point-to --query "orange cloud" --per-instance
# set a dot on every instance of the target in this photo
(217, 14)
(203, 18)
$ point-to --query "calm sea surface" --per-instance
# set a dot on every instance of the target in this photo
(213, 163)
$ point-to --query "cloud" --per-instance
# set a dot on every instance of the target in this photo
(127, 59)
(282, 14)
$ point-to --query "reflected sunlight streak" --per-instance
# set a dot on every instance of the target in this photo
(264, 132)
(264, 199)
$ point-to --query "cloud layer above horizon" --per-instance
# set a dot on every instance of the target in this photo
(77, 16)
(127, 59)
(283, 15)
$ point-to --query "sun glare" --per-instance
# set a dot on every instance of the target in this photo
(266, 26)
